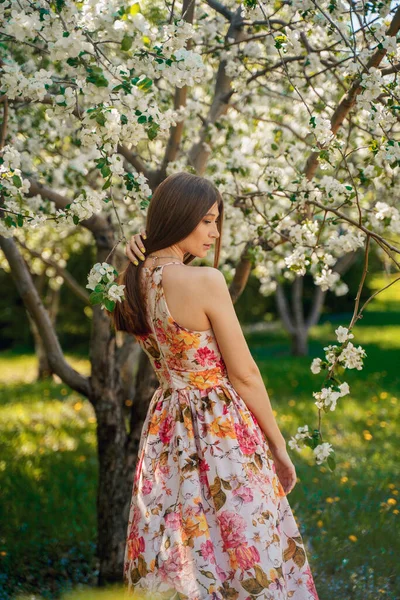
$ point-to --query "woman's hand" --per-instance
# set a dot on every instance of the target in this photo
(134, 249)
(285, 469)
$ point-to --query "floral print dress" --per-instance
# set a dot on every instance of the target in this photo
(208, 518)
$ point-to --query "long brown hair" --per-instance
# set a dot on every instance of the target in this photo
(176, 208)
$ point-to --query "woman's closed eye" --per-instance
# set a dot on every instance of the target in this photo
(208, 222)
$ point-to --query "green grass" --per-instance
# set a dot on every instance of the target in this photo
(348, 518)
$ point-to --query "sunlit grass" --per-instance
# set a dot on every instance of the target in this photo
(22, 368)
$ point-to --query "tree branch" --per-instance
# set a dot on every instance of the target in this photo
(176, 132)
(349, 98)
(97, 224)
(242, 273)
(34, 305)
(221, 9)
(198, 154)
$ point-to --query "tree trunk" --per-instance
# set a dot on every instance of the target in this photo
(52, 302)
(299, 342)
(44, 370)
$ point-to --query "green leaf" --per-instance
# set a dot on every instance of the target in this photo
(20, 221)
(17, 181)
(9, 221)
(96, 297)
(153, 131)
(142, 119)
(145, 84)
(107, 184)
(100, 119)
(126, 43)
(98, 288)
(75, 219)
(331, 462)
(60, 5)
(109, 304)
(124, 119)
(105, 171)
(73, 62)
(308, 442)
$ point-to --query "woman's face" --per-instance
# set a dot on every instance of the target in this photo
(202, 239)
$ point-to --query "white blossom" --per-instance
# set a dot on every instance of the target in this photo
(352, 357)
(342, 334)
(316, 366)
(322, 451)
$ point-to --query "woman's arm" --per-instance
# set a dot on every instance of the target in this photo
(243, 371)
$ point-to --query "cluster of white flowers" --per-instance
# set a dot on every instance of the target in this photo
(11, 159)
(306, 233)
(371, 84)
(321, 128)
(298, 260)
(18, 85)
(387, 215)
(392, 151)
(334, 189)
(322, 452)
(326, 399)
(352, 357)
(327, 279)
(347, 242)
(84, 206)
(328, 396)
(187, 69)
(302, 433)
(101, 280)
(22, 25)
(343, 334)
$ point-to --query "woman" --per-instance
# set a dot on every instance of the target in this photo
(209, 517)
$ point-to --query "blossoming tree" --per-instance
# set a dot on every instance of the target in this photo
(292, 110)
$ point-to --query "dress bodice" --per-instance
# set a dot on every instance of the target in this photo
(182, 358)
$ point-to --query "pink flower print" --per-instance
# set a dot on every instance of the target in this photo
(221, 365)
(232, 529)
(178, 569)
(157, 364)
(159, 405)
(175, 362)
(166, 429)
(244, 493)
(207, 551)
(225, 410)
(160, 334)
(221, 573)
(203, 466)
(147, 487)
(173, 521)
(205, 356)
(310, 583)
(246, 439)
(246, 556)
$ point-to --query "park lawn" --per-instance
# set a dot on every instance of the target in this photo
(348, 518)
